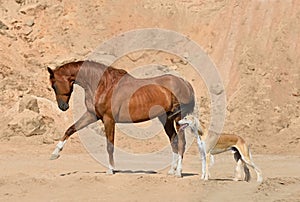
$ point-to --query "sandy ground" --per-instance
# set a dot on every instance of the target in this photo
(27, 174)
(254, 45)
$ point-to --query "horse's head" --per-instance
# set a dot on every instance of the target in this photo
(62, 85)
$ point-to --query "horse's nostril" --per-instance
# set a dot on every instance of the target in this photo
(63, 105)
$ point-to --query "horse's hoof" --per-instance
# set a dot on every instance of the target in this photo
(178, 175)
(260, 180)
(54, 156)
(110, 172)
(171, 172)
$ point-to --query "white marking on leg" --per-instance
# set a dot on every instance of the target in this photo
(173, 164)
(179, 166)
(56, 151)
(110, 170)
(59, 147)
(110, 167)
(61, 144)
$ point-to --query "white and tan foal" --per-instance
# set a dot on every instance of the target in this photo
(226, 142)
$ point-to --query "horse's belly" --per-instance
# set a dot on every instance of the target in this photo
(145, 104)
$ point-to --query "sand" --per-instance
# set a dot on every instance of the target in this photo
(254, 46)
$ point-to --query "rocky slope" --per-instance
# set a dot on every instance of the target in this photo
(254, 44)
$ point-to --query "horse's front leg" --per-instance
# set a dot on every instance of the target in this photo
(174, 145)
(86, 119)
(170, 131)
(109, 125)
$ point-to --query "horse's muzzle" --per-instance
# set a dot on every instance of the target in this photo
(63, 105)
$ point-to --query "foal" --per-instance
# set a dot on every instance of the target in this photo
(226, 142)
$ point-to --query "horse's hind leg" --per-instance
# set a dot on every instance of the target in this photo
(86, 119)
(181, 149)
(170, 131)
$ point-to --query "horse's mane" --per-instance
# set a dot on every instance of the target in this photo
(92, 72)
(92, 65)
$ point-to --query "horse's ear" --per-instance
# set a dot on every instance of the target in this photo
(50, 72)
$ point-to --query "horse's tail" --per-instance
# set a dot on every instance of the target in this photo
(189, 107)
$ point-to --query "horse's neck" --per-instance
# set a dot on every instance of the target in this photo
(88, 76)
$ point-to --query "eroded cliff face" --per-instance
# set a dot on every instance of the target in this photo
(254, 44)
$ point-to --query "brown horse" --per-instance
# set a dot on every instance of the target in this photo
(114, 96)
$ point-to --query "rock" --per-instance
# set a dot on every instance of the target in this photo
(3, 26)
(179, 60)
(186, 55)
(56, 11)
(277, 109)
(47, 140)
(32, 9)
(27, 123)
(29, 23)
(21, 2)
(30, 103)
(173, 67)
(216, 89)
(135, 56)
(26, 30)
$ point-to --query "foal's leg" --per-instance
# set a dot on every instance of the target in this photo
(170, 131)
(86, 119)
(109, 126)
(257, 170)
(247, 173)
(238, 167)
(237, 170)
(202, 151)
(207, 164)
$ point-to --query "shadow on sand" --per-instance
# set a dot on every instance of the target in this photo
(151, 172)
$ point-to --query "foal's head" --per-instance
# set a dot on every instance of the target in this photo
(62, 84)
(192, 122)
